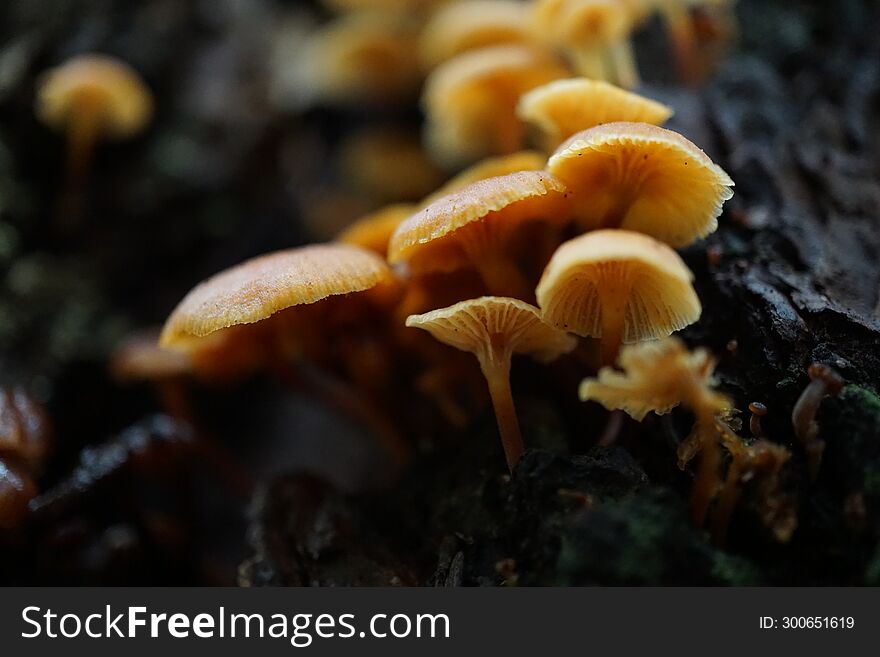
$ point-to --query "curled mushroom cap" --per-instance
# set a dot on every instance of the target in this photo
(564, 107)
(640, 177)
(619, 286)
(470, 100)
(472, 227)
(96, 84)
(493, 329)
(258, 288)
(657, 376)
(462, 26)
(491, 167)
(374, 230)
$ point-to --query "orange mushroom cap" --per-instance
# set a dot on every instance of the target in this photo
(462, 26)
(606, 271)
(640, 177)
(470, 100)
(451, 231)
(374, 230)
(657, 376)
(474, 325)
(565, 107)
(260, 287)
(97, 83)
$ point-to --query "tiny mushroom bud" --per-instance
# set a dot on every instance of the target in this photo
(374, 231)
(618, 286)
(462, 26)
(493, 329)
(823, 381)
(565, 107)
(470, 101)
(475, 226)
(26, 433)
(758, 410)
(640, 177)
(90, 97)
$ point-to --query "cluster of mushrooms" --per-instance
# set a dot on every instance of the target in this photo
(565, 251)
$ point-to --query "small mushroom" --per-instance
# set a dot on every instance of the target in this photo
(758, 410)
(644, 178)
(824, 381)
(565, 107)
(657, 376)
(595, 34)
(302, 306)
(374, 231)
(362, 56)
(475, 227)
(459, 27)
(617, 286)
(92, 97)
(493, 329)
(470, 101)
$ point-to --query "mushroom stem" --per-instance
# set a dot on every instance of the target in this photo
(758, 410)
(496, 368)
(82, 134)
(623, 63)
(613, 299)
(706, 483)
(590, 63)
(683, 40)
(823, 381)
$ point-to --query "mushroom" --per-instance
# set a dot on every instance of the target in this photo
(758, 410)
(92, 97)
(617, 286)
(374, 231)
(476, 227)
(299, 306)
(26, 433)
(640, 177)
(595, 34)
(470, 101)
(658, 376)
(362, 56)
(462, 26)
(493, 329)
(491, 167)
(565, 107)
(823, 381)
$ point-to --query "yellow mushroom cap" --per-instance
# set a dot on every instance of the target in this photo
(564, 107)
(474, 326)
(577, 23)
(370, 56)
(640, 177)
(97, 83)
(501, 203)
(657, 376)
(260, 287)
(490, 167)
(462, 26)
(649, 275)
(470, 100)
(374, 230)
